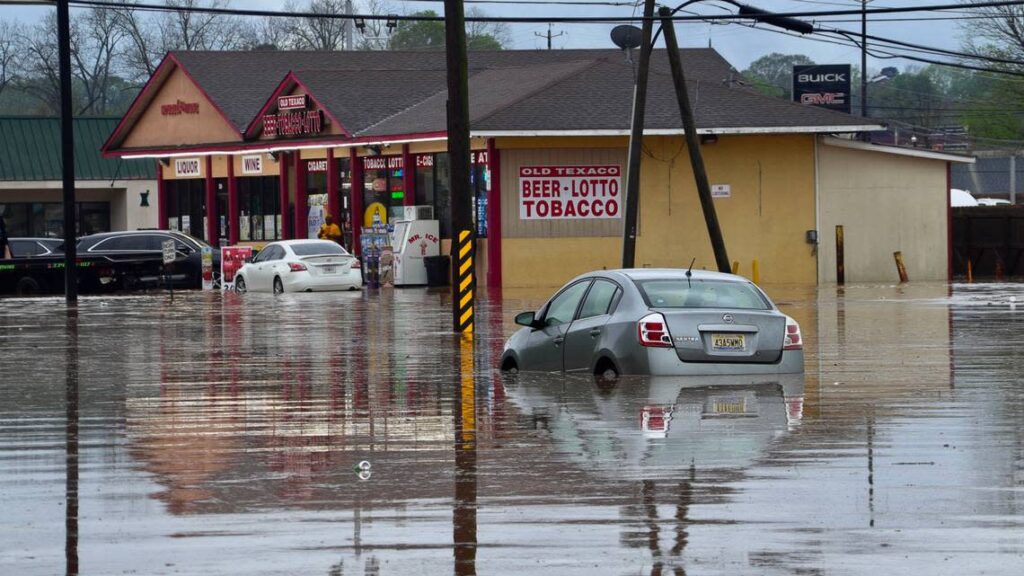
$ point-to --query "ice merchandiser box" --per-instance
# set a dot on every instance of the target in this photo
(413, 242)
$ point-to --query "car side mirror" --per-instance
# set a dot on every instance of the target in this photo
(527, 319)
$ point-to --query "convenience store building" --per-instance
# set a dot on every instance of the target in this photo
(247, 142)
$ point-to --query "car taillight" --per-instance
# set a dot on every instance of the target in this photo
(355, 263)
(653, 331)
(297, 266)
(793, 340)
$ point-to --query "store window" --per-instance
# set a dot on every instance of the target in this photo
(259, 209)
(383, 186)
(316, 195)
(186, 206)
(433, 173)
(46, 219)
(345, 189)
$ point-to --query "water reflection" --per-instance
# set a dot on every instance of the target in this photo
(71, 443)
(222, 434)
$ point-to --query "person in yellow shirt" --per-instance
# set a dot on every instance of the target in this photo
(329, 230)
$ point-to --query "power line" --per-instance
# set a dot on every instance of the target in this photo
(531, 19)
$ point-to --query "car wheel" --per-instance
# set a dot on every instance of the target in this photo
(240, 285)
(510, 367)
(27, 287)
(278, 286)
(606, 376)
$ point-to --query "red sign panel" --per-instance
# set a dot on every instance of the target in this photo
(295, 102)
(569, 192)
(293, 124)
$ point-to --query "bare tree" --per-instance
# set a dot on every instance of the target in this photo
(94, 48)
(184, 29)
(499, 31)
(142, 50)
(315, 33)
(41, 78)
(1000, 32)
(266, 34)
(10, 52)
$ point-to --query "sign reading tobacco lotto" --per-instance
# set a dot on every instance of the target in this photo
(569, 192)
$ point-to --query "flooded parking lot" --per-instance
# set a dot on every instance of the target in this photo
(348, 434)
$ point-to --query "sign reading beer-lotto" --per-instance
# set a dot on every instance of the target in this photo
(570, 192)
(824, 85)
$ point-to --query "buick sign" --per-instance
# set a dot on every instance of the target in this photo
(824, 85)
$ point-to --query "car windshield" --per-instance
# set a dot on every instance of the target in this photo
(318, 249)
(683, 293)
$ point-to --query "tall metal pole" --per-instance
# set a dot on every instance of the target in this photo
(463, 234)
(864, 58)
(693, 143)
(636, 136)
(67, 152)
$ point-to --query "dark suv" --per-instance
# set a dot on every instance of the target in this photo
(146, 246)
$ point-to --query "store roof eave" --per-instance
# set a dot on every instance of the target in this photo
(269, 146)
(898, 150)
(680, 131)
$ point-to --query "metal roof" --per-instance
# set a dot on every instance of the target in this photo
(30, 151)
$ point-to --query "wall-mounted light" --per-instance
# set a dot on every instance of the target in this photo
(392, 22)
(374, 149)
(144, 199)
(361, 25)
(709, 138)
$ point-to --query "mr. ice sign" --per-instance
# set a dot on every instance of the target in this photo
(569, 192)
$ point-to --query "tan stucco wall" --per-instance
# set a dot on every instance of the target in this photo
(153, 129)
(885, 203)
(123, 196)
(766, 217)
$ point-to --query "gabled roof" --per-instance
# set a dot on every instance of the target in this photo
(30, 151)
(388, 95)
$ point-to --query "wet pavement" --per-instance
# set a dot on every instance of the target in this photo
(218, 434)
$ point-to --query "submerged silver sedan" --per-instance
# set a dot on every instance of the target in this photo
(660, 322)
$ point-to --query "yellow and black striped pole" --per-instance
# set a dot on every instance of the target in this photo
(465, 281)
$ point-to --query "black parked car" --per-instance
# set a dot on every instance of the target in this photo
(145, 246)
(28, 247)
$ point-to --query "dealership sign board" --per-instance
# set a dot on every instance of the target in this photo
(824, 85)
(570, 192)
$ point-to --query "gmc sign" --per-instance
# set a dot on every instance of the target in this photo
(825, 86)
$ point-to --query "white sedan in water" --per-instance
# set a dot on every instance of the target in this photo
(300, 266)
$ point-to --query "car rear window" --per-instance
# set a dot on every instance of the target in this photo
(318, 249)
(682, 293)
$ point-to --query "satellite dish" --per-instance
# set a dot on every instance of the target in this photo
(626, 36)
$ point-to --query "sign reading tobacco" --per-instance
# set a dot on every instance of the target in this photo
(569, 192)
(293, 118)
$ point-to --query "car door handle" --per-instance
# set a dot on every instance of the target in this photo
(595, 332)
(559, 340)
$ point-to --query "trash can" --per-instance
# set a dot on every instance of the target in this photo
(437, 270)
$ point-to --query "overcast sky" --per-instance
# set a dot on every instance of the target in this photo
(740, 45)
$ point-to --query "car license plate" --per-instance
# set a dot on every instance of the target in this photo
(329, 269)
(728, 342)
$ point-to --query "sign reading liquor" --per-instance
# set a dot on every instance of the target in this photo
(823, 85)
(293, 118)
(569, 192)
(187, 167)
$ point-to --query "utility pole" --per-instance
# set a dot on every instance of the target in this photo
(864, 58)
(693, 143)
(463, 233)
(636, 136)
(549, 35)
(67, 149)
(347, 26)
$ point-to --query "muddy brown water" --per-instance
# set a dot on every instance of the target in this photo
(223, 434)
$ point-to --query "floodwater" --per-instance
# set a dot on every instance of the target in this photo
(342, 434)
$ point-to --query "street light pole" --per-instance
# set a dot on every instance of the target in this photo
(67, 148)
(864, 58)
(636, 136)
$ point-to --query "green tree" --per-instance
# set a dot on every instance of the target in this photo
(773, 74)
(429, 34)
